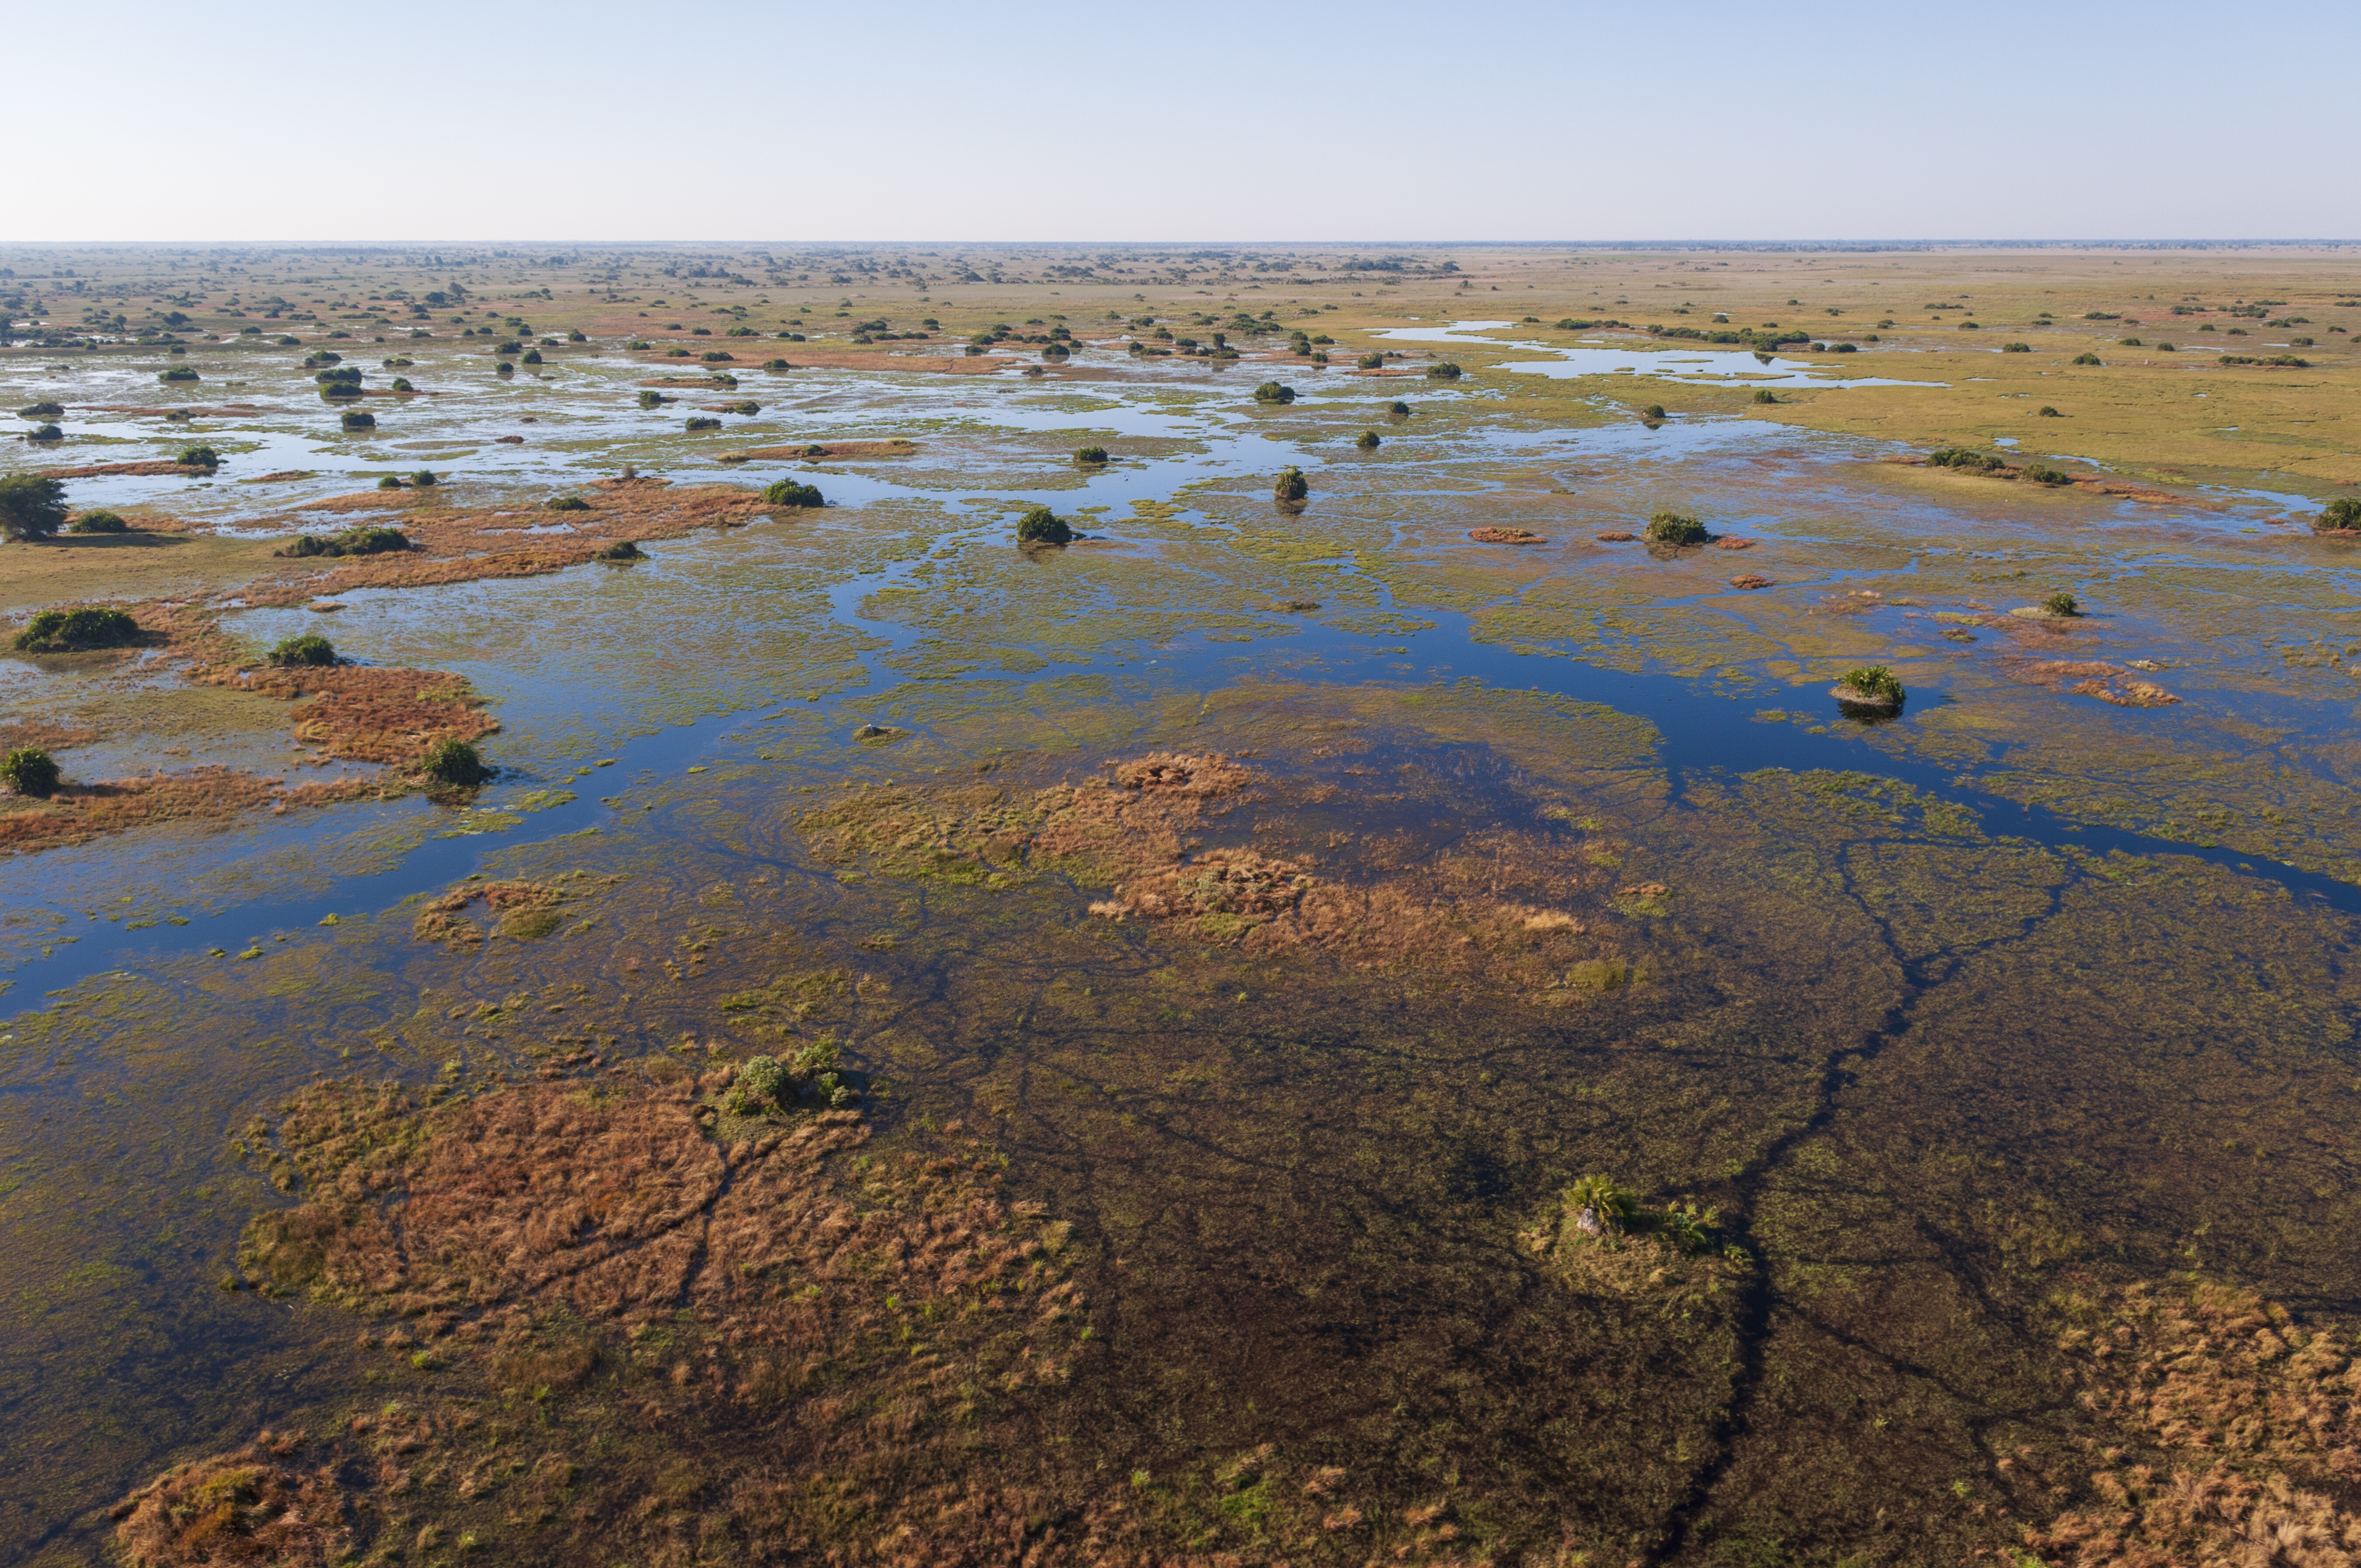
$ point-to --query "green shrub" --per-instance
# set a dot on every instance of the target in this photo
(2342, 515)
(2133, 343)
(1443, 370)
(424, 477)
(178, 373)
(342, 382)
(1090, 457)
(454, 762)
(1042, 526)
(565, 503)
(793, 493)
(1876, 684)
(310, 650)
(71, 631)
(199, 458)
(2088, 359)
(2041, 473)
(2016, 348)
(98, 522)
(370, 539)
(402, 384)
(747, 406)
(529, 356)
(47, 432)
(1371, 362)
(30, 771)
(1672, 528)
(776, 364)
(758, 1086)
(32, 507)
(577, 337)
(1367, 442)
(2062, 604)
(1654, 410)
(1397, 409)
(1766, 395)
(1290, 486)
(509, 347)
(503, 368)
(1274, 393)
(357, 419)
(621, 550)
(698, 422)
(653, 399)
(717, 356)
(42, 410)
(1965, 459)
(391, 483)
(2046, 412)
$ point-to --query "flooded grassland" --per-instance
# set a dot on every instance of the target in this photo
(1278, 1030)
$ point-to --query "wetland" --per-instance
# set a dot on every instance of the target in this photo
(868, 905)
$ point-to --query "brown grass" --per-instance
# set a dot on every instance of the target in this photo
(79, 812)
(1505, 536)
(256, 1506)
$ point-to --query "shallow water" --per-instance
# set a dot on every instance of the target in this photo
(2013, 927)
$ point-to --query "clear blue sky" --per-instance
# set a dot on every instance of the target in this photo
(1484, 119)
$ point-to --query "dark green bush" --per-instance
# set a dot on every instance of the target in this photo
(1290, 486)
(2046, 412)
(715, 356)
(391, 483)
(357, 419)
(621, 550)
(2342, 515)
(565, 503)
(199, 458)
(1371, 362)
(653, 399)
(1654, 410)
(1090, 457)
(1672, 528)
(402, 384)
(308, 651)
(793, 493)
(2041, 473)
(32, 507)
(698, 423)
(30, 771)
(1443, 370)
(776, 364)
(454, 762)
(370, 539)
(178, 373)
(342, 382)
(2016, 348)
(1042, 526)
(2062, 604)
(47, 432)
(503, 368)
(749, 406)
(71, 631)
(1398, 410)
(423, 478)
(42, 410)
(531, 357)
(1766, 395)
(1876, 684)
(1965, 459)
(1367, 442)
(98, 522)
(1274, 393)
(2088, 359)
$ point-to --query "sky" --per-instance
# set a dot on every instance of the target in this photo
(1449, 120)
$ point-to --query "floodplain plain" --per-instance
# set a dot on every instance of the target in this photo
(1399, 1022)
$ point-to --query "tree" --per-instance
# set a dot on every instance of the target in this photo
(1290, 486)
(2342, 515)
(32, 507)
(1042, 526)
(30, 771)
(309, 649)
(793, 493)
(1274, 393)
(1672, 528)
(454, 762)
(1368, 440)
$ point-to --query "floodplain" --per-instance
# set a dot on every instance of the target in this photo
(1138, 906)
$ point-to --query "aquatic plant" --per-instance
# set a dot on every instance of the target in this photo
(1091, 456)
(97, 523)
(1290, 486)
(308, 651)
(370, 539)
(2062, 604)
(1871, 685)
(72, 630)
(32, 507)
(199, 458)
(454, 762)
(2342, 515)
(357, 419)
(1672, 528)
(1274, 393)
(565, 503)
(1367, 442)
(30, 771)
(1042, 526)
(621, 550)
(793, 493)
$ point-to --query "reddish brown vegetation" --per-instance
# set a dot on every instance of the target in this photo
(257, 1505)
(1505, 536)
(525, 909)
(2088, 677)
(79, 813)
(2248, 1433)
(1617, 538)
(1750, 580)
(92, 470)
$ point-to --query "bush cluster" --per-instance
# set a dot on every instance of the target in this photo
(1443, 370)
(1672, 528)
(2342, 515)
(793, 493)
(1090, 457)
(1965, 459)
(1877, 684)
(72, 630)
(357, 419)
(30, 771)
(1290, 486)
(199, 458)
(701, 421)
(454, 762)
(368, 539)
(308, 651)
(1042, 526)
(98, 522)
(2042, 474)
(621, 550)
(1368, 440)
(1274, 393)
(814, 1076)
(565, 503)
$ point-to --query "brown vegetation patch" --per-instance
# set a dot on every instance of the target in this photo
(2088, 677)
(1733, 544)
(1617, 538)
(1505, 536)
(2237, 1436)
(48, 735)
(79, 812)
(92, 470)
(257, 1505)
(525, 909)
(1750, 581)
(816, 450)
(366, 715)
(368, 500)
